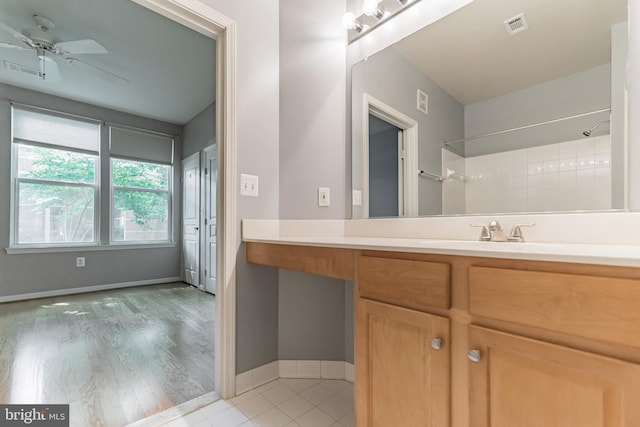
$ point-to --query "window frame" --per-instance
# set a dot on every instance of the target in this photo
(169, 192)
(14, 219)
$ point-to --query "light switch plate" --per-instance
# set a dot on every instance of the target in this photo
(324, 197)
(248, 185)
(357, 198)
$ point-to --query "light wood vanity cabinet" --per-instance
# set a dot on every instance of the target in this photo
(557, 344)
(403, 366)
(403, 354)
(518, 381)
(529, 383)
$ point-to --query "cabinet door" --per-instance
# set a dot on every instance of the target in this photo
(527, 383)
(401, 380)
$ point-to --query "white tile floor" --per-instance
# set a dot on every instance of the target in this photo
(280, 403)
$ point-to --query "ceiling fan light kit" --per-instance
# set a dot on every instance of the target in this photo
(49, 49)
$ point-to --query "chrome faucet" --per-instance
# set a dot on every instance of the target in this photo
(494, 233)
(516, 232)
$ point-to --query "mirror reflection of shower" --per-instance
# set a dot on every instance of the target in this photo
(588, 132)
(541, 167)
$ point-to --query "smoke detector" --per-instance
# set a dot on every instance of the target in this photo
(516, 25)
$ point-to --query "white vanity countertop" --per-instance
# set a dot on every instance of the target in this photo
(432, 237)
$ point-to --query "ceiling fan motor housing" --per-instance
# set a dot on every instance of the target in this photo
(41, 39)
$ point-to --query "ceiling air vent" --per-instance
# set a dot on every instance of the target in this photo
(423, 102)
(516, 25)
(22, 69)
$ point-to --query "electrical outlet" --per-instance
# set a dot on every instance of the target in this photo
(357, 198)
(80, 262)
(324, 197)
(248, 185)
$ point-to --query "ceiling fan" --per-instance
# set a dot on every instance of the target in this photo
(50, 49)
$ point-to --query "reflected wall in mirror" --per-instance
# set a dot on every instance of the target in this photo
(507, 121)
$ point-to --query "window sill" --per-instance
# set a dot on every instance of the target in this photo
(111, 247)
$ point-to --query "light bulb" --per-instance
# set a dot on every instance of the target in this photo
(349, 21)
(370, 7)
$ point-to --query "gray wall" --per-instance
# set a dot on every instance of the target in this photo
(30, 273)
(200, 131)
(379, 77)
(312, 317)
(312, 154)
(257, 98)
(312, 108)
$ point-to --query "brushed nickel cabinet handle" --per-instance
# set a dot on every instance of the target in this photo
(436, 343)
(474, 356)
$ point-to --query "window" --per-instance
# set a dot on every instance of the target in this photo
(55, 193)
(57, 184)
(140, 183)
(140, 201)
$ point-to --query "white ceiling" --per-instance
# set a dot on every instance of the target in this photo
(470, 54)
(170, 68)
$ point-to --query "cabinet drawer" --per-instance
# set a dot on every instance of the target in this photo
(415, 284)
(600, 308)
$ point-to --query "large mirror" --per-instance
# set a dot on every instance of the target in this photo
(501, 107)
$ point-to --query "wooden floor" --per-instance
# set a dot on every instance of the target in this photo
(114, 356)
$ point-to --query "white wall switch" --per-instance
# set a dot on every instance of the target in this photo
(357, 198)
(324, 197)
(80, 261)
(248, 185)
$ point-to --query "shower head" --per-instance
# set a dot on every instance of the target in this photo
(588, 132)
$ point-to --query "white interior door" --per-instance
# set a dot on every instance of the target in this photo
(191, 219)
(210, 223)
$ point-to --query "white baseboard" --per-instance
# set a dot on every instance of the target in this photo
(314, 369)
(62, 292)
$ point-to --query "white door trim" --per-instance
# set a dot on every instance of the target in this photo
(206, 20)
(410, 131)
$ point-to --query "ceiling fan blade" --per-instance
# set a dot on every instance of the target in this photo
(80, 47)
(14, 46)
(108, 75)
(16, 34)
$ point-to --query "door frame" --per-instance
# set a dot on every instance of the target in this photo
(409, 128)
(204, 19)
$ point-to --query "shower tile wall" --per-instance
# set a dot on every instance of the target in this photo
(572, 175)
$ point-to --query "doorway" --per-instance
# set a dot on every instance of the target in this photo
(390, 169)
(201, 17)
(386, 169)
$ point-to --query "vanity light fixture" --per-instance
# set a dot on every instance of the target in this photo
(374, 13)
